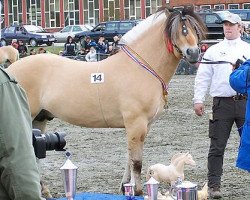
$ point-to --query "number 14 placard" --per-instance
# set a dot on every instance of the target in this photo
(97, 78)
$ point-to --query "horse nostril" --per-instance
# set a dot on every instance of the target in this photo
(189, 52)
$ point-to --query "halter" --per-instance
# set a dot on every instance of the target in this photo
(140, 61)
(184, 32)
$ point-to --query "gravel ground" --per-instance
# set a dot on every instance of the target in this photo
(100, 154)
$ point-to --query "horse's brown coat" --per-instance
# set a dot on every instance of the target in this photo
(129, 97)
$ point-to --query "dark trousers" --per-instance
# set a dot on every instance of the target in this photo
(226, 111)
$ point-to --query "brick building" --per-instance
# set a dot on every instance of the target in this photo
(213, 4)
(55, 14)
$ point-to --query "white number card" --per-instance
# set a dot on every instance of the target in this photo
(97, 78)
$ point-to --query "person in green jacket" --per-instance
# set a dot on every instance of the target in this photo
(19, 175)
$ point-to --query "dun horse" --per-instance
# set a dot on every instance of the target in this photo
(126, 90)
(8, 53)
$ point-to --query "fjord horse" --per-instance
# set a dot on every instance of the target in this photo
(8, 53)
(126, 90)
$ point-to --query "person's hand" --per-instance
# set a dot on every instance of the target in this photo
(199, 109)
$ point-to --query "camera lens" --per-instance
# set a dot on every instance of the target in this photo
(55, 141)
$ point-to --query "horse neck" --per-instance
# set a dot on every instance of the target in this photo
(152, 48)
(179, 164)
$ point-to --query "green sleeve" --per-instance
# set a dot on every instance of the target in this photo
(19, 172)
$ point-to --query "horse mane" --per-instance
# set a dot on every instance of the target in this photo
(143, 26)
(187, 14)
(173, 20)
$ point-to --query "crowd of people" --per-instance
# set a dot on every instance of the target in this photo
(91, 49)
(23, 50)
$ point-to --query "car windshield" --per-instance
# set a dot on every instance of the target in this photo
(34, 29)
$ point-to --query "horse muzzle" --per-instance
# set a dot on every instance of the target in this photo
(192, 55)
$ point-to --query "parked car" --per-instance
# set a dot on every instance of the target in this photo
(213, 21)
(244, 15)
(108, 29)
(30, 34)
(71, 30)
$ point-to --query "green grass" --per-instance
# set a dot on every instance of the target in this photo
(51, 49)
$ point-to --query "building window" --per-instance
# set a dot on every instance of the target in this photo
(91, 11)
(71, 12)
(246, 5)
(1, 15)
(219, 6)
(15, 11)
(233, 6)
(178, 7)
(111, 10)
(152, 6)
(205, 7)
(52, 13)
(34, 12)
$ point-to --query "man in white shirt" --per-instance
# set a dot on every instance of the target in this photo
(228, 107)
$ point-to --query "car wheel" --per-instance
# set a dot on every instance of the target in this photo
(33, 42)
(3, 42)
(49, 43)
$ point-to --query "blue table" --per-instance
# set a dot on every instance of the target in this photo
(96, 196)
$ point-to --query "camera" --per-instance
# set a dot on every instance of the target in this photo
(46, 142)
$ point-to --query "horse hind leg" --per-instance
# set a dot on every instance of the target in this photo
(136, 132)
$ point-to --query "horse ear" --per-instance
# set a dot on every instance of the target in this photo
(186, 154)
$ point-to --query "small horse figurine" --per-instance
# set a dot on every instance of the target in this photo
(127, 90)
(8, 53)
(169, 174)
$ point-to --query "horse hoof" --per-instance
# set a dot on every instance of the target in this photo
(138, 193)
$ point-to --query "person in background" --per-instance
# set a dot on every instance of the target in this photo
(22, 49)
(101, 48)
(70, 47)
(32, 52)
(20, 179)
(228, 107)
(41, 50)
(14, 43)
(87, 43)
(91, 55)
(240, 82)
(244, 35)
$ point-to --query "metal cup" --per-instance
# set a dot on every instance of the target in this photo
(69, 172)
(129, 191)
(185, 191)
(152, 188)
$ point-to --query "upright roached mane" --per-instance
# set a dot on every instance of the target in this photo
(129, 96)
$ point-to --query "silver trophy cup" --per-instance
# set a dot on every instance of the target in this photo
(152, 188)
(69, 173)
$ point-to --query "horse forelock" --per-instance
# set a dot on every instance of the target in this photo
(187, 16)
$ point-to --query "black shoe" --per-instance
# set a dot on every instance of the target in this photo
(214, 193)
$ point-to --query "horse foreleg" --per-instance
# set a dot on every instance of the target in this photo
(136, 132)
